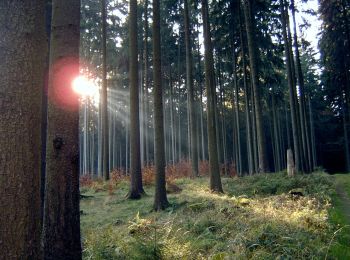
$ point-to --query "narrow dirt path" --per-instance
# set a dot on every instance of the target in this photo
(345, 200)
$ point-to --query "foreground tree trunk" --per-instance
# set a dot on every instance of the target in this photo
(136, 188)
(190, 91)
(23, 52)
(160, 198)
(253, 55)
(215, 179)
(61, 230)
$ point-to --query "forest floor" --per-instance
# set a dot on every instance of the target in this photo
(266, 216)
(342, 187)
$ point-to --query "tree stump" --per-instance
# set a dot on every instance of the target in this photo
(290, 163)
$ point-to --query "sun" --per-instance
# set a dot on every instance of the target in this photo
(84, 87)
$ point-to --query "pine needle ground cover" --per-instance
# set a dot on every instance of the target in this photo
(261, 217)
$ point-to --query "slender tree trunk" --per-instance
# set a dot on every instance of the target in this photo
(291, 90)
(302, 108)
(276, 135)
(294, 83)
(254, 134)
(136, 188)
(125, 151)
(190, 91)
(201, 100)
(23, 55)
(235, 97)
(61, 231)
(215, 179)
(312, 134)
(246, 100)
(160, 198)
(253, 56)
(217, 122)
(146, 81)
(172, 130)
(236, 105)
(104, 101)
(223, 127)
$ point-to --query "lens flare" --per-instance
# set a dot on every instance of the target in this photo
(84, 87)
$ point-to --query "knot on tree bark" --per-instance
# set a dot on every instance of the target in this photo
(57, 143)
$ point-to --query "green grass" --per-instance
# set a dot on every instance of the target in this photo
(344, 180)
(340, 247)
(256, 218)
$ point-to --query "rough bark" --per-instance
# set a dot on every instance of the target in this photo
(61, 231)
(136, 188)
(23, 54)
(215, 179)
(160, 198)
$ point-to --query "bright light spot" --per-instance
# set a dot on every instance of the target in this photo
(84, 87)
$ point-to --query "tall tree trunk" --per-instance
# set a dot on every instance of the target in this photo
(190, 91)
(215, 179)
(302, 107)
(253, 56)
(254, 135)
(294, 81)
(246, 99)
(23, 54)
(201, 99)
(312, 134)
(235, 98)
(292, 100)
(104, 101)
(172, 127)
(236, 106)
(160, 197)
(136, 188)
(61, 232)
(146, 82)
(276, 135)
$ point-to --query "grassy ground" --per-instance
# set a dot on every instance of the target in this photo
(256, 218)
(339, 216)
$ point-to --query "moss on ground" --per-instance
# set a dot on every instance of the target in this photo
(256, 218)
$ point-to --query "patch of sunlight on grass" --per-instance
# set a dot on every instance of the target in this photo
(256, 218)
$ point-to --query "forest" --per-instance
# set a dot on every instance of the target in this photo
(174, 129)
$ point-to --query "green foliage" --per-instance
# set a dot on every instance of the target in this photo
(257, 218)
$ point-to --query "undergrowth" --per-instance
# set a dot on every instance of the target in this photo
(258, 217)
